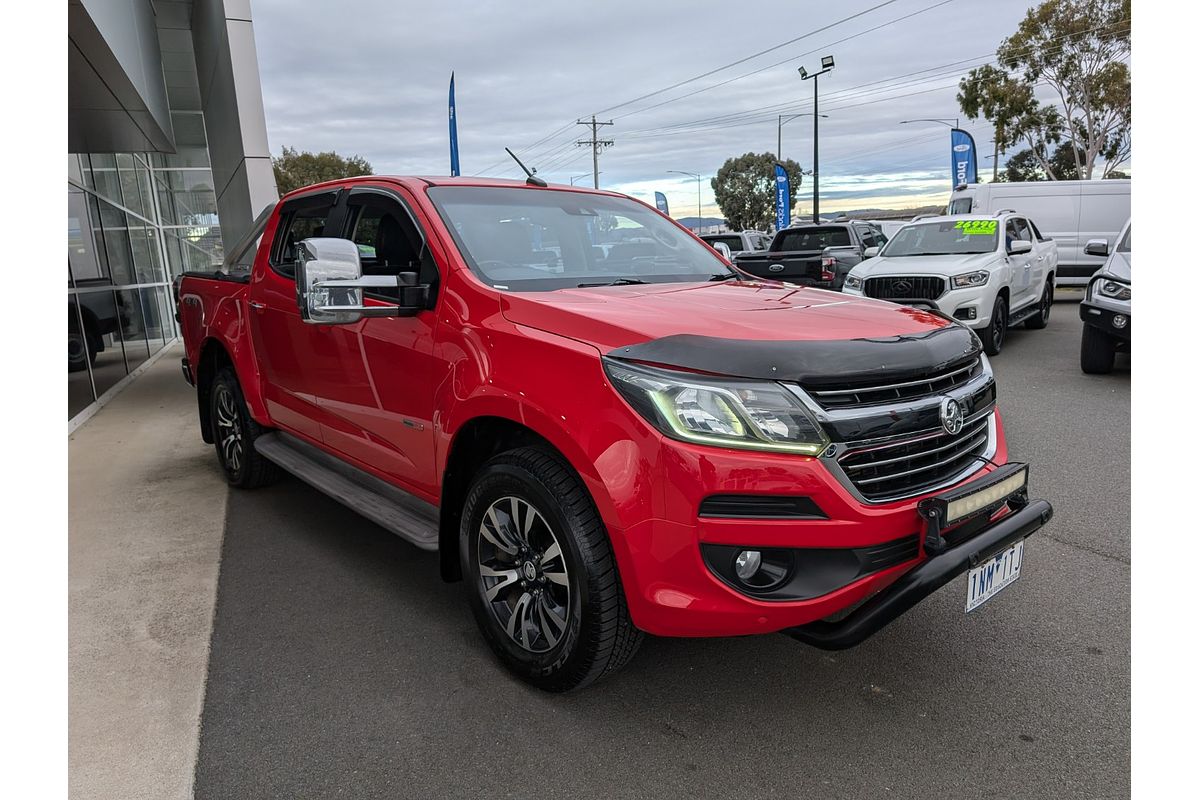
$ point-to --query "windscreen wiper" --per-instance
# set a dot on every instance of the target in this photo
(725, 276)
(617, 282)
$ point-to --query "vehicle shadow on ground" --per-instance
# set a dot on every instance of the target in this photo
(342, 663)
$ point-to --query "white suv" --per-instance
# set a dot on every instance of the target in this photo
(987, 272)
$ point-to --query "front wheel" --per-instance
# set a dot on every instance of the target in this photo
(540, 574)
(1097, 351)
(993, 335)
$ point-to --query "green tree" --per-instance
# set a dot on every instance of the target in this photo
(295, 169)
(745, 190)
(1074, 47)
(1025, 166)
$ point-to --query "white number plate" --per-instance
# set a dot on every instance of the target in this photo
(985, 581)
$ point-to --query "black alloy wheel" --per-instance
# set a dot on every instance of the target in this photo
(234, 432)
(1045, 303)
(523, 574)
(997, 329)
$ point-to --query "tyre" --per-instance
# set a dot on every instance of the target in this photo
(1040, 319)
(234, 432)
(993, 335)
(540, 574)
(1097, 351)
(79, 352)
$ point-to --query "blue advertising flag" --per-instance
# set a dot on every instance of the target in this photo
(453, 132)
(783, 198)
(660, 200)
(964, 166)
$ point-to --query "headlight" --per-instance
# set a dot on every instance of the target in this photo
(1115, 290)
(978, 278)
(750, 415)
(852, 282)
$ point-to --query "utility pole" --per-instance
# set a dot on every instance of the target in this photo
(596, 144)
(699, 215)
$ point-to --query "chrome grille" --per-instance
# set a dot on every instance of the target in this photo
(917, 464)
(937, 383)
(914, 287)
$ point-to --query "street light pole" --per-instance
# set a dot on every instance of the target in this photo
(699, 216)
(826, 66)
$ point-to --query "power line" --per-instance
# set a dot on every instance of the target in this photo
(786, 60)
(747, 58)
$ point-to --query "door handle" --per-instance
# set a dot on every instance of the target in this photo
(257, 306)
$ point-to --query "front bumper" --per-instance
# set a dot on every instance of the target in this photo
(923, 580)
(1105, 316)
(970, 305)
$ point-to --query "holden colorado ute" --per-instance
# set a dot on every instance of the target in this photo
(601, 440)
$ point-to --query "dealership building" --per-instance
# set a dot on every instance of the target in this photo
(167, 164)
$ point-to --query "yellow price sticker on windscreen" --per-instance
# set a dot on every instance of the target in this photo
(974, 227)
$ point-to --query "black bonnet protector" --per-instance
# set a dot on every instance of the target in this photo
(837, 362)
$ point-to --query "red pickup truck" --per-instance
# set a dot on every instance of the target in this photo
(601, 426)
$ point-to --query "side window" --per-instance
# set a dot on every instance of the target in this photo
(1010, 233)
(1036, 232)
(301, 219)
(1023, 230)
(388, 241)
(867, 235)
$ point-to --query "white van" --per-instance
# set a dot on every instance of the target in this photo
(1069, 212)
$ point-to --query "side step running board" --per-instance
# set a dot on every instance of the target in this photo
(1018, 317)
(398, 511)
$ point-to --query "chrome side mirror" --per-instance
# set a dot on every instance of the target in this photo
(1096, 247)
(724, 250)
(330, 283)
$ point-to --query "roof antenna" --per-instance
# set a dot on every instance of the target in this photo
(532, 180)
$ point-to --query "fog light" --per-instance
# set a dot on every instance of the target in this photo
(747, 563)
(1120, 321)
(965, 313)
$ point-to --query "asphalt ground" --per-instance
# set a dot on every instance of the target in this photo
(341, 666)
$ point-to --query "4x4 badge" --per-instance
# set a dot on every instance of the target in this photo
(951, 415)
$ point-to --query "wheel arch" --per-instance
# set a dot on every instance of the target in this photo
(473, 444)
(213, 357)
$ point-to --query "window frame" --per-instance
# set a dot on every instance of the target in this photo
(287, 213)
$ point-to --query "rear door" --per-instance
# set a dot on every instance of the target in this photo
(293, 355)
(379, 410)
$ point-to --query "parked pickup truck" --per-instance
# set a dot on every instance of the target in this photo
(600, 443)
(739, 242)
(814, 255)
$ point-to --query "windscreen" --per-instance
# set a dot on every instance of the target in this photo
(814, 238)
(536, 240)
(944, 238)
(1123, 245)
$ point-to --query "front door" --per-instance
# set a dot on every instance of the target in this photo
(1021, 265)
(294, 356)
(379, 412)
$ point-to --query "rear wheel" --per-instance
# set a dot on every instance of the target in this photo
(234, 432)
(993, 335)
(1042, 318)
(540, 573)
(1097, 351)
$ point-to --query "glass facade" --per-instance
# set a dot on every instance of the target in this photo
(134, 222)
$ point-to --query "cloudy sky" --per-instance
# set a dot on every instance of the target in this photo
(370, 77)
